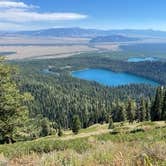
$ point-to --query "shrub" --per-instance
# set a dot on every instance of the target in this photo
(137, 130)
(111, 123)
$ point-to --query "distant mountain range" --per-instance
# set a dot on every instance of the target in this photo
(61, 32)
(80, 32)
(113, 38)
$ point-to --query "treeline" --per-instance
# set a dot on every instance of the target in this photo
(144, 110)
(60, 99)
(92, 105)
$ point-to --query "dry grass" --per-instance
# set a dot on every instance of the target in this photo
(49, 47)
(3, 160)
(132, 150)
(102, 154)
(26, 52)
(108, 46)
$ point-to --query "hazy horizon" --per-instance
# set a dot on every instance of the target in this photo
(70, 27)
(21, 15)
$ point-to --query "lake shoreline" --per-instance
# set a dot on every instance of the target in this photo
(81, 74)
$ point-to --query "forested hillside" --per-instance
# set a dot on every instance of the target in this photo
(60, 101)
(60, 97)
(43, 109)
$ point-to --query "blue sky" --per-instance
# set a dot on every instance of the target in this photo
(101, 14)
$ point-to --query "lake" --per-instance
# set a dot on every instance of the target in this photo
(110, 78)
(136, 59)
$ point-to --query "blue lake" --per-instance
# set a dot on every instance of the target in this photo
(136, 59)
(110, 78)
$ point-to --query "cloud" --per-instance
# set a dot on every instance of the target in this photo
(24, 16)
(18, 12)
(13, 4)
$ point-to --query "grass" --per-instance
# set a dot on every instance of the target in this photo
(145, 146)
(94, 128)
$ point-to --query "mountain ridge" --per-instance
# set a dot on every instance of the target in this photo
(82, 32)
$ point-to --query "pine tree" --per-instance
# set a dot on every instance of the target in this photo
(131, 110)
(142, 110)
(164, 108)
(118, 112)
(45, 127)
(60, 133)
(76, 124)
(156, 111)
(111, 123)
(12, 109)
(148, 107)
(122, 113)
(85, 115)
(115, 112)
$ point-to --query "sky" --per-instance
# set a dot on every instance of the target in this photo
(99, 14)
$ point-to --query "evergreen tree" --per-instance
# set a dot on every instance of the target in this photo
(148, 107)
(60, 133)
(122, 113)
(76, 124)
(164, 108)
(85, 115)
(142, 110)
(111, 123)
(12, 109)
(131, 110)
(45, 128)
(115, 112)
(156, 111)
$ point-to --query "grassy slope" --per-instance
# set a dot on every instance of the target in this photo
(94, 145)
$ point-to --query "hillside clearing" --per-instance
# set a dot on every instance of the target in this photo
(93, 145)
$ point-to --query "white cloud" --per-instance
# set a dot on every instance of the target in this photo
(24, 16)
(18, 12)
(13, 4)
